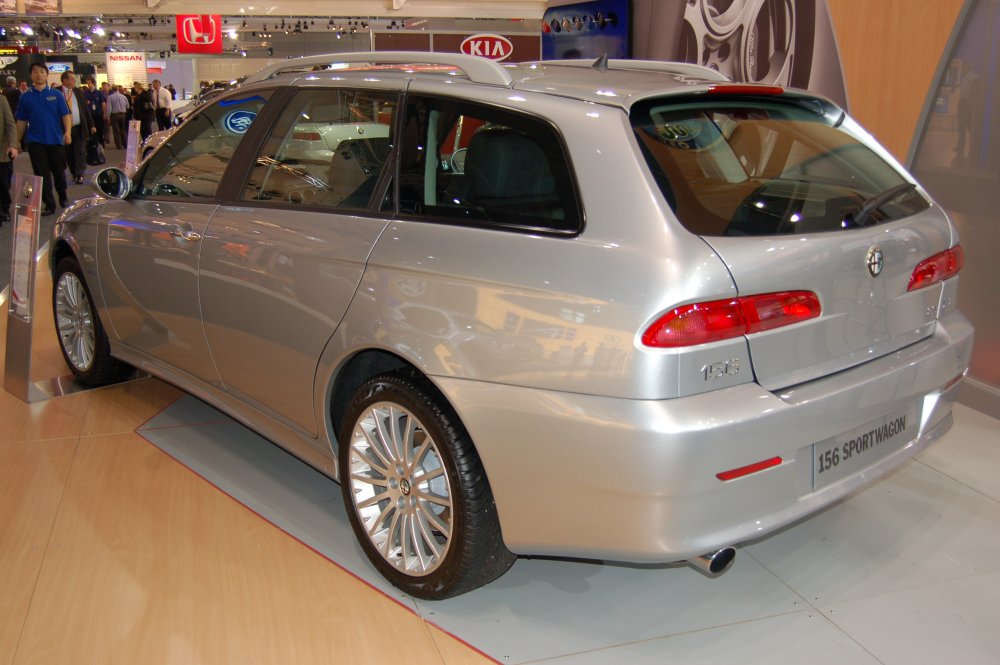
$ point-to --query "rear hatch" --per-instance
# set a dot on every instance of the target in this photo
(793, 196)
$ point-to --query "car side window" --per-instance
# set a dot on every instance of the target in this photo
(484, 166)
(192, 161)
(328, 150)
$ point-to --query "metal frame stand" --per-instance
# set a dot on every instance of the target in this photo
(27, 195)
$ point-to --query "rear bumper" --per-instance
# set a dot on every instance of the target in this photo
(633, 480)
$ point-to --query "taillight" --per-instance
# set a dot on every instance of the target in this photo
(744, 89)
(306, 136)
(715, 320)
(937, 268)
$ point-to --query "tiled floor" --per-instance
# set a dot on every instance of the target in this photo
(113, 552)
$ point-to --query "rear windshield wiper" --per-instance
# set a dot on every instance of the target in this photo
(875, 202)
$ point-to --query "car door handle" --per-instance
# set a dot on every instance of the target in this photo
(186, 233)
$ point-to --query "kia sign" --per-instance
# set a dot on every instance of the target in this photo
(494, 47)
(199, 33)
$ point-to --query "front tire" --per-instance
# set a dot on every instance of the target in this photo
(416, 492)
(82, 339)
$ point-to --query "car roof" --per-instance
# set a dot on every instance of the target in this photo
(602, 81)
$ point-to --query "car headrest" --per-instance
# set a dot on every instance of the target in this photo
(504, 163)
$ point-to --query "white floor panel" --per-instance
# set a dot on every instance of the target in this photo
(545, 608)
(952, 622)
(915, 528)
(919, 549)
(791, 639)
(972, 454)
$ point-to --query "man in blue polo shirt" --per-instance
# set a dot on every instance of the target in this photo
(43, 128)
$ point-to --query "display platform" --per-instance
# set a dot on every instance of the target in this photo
(905, 572)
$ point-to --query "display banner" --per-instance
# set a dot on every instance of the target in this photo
(8, 6)
(37, 7)
(126, 68)
(132, 147)
(8, 62)
(199, 33)
(27, 194)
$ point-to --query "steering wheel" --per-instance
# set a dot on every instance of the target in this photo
(168, 189)
(457, 161)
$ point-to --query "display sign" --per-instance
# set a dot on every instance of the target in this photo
(199, 33)
(589, 29)
(8, 6)
(126, 68)
(27, 195)
(494, 47)
(132, 147)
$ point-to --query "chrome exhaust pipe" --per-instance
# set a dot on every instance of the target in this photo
(714, 563)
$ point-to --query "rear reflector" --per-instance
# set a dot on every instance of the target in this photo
(750, 468)
(937, 268)
(715, 320)
(744, 89)
(306, 136)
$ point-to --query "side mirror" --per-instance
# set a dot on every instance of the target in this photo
(112, 183)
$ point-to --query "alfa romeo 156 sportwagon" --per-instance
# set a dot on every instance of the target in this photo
(617, 310)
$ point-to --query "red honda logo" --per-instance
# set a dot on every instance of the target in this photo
(494, 47)
(199, 33)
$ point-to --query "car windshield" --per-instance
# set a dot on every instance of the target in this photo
(767, 168)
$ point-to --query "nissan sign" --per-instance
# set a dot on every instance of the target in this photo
(494, 47)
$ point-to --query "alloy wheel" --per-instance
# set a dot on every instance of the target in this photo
(400, 489)
(75, 321)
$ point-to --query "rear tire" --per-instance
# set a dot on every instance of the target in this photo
(82, 339)
(416, 492)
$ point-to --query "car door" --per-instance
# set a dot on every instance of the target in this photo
(279, 268)
(155, 237)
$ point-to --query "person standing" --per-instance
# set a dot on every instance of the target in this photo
(143, 111)
(106, 90)
(43, 128)
(118, 109)
(12, 93)
(8, 151)
(97, 104)
(161, 105)
(82, 126)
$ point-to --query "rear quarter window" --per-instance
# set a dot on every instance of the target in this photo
(744, 167)
(478, 165)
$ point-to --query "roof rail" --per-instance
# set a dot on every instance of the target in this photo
(479, 70)
(682, 68)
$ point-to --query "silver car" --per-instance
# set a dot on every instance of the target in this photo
(617, 310)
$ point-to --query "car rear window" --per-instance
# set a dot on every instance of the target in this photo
(754, 167)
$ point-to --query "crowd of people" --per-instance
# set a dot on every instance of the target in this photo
(66, 126)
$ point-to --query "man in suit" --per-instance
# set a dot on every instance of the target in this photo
(143, 110)
(82, 126)
(8, 151)
(12, 93)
